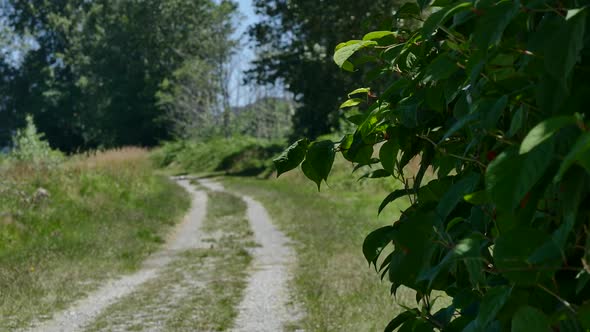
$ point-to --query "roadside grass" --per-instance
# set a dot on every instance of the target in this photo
(200, 290)
(332, 280)
(237, 156)
(65, 229)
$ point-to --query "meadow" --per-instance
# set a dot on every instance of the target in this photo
(67, 226)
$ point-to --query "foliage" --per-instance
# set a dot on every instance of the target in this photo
(266, 118)
(293, 42)
(490, 96)
(29, 147)
(95, 72)
(235, 156)
(196, 96)
(65, 230)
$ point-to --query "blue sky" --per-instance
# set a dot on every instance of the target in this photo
(241, 95)
(247, 10)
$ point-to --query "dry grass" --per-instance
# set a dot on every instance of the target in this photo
(111, 159)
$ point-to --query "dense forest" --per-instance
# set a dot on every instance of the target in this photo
(112, 73)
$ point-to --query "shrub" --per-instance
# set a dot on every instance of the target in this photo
(29, 147)
(491, 96)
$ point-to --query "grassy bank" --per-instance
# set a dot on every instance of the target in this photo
(65, 228)
(332, 279)
(236, 156)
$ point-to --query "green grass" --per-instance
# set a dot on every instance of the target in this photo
(332, 279)
(200, 290)
(236, 156)
(103, 215)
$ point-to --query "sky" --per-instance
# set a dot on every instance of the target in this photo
(239, 94)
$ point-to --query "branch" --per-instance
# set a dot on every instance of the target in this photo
(443, 151)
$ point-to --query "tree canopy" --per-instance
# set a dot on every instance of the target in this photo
(294, 42)
(96, 70)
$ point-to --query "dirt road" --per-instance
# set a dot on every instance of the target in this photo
(170, 276)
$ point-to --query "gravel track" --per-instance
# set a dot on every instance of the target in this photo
(186, 236)
(266, 306)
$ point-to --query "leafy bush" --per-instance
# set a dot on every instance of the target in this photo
(29, 147)
(491, 96)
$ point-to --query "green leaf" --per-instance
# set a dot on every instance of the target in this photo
(348, 66)
(490, 111)
(543, 131)
(455, 221)
(563, 47)
(440, 68)
(318, 161)
(584, 315)
(578, 152)
(456, 193)
(491, 25)
(553, 250)
(512, 252)
(392, 197)
(400, 319)
(529, 319)
(358, 91)
(440, 17)
(476, 198)
(435, 190)
(291, 157)
(343, 53)
(466, 250)
(413, 241)
(376, 35)
(354, 149)
(491, 304)
(388, 155)
(376, 241)
(511, 175)
(351, 102)
(311, 173)
(459, 124)
(516, 123)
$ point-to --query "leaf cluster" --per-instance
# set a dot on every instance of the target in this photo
(489, 96)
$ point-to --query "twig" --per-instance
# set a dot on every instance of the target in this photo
(563, 301)
(441, 150)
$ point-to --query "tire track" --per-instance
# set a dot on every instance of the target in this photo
(186, 236)
(266, 306)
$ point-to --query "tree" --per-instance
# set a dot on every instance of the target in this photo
(294, 41)
(491, 96)
(267, 117)
(94, 76)
(197, 96)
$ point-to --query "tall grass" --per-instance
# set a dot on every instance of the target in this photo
(66, 228)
